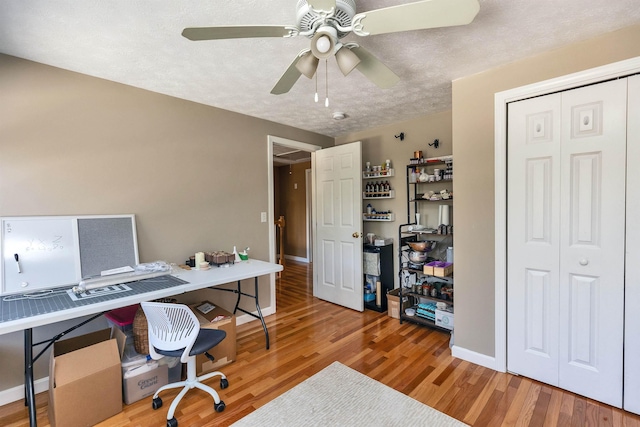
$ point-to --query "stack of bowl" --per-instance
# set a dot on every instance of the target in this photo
(418, 253)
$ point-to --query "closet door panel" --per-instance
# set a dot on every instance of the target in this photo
(533, 238)
(632, 285)
(592, 236)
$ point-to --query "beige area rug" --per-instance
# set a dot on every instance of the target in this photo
(341, 396)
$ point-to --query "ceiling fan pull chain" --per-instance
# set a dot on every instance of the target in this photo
(316, 95)
(326, 84)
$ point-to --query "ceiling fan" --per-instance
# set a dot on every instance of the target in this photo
(326, 22)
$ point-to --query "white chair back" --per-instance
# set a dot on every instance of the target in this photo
(171, 327)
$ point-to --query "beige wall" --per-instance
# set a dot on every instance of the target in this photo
(380, 143)
(195, 176)
(473, 136)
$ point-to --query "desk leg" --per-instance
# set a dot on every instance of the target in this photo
(255, 297)
(30, 397)
(264, 325)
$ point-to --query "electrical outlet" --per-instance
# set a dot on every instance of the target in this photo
(263, 217)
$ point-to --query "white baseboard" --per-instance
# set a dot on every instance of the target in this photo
(474, 357)
(17, 393)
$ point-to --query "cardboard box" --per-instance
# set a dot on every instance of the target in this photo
(140, 378)
(444, 319)
(143, 380)
(216, 318)
(438, 268)
(85, 381)
(393, 303)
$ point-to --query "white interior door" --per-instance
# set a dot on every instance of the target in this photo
(566, 239)
(632, 279)
(337, 217)
(533, 237)
(592, 240)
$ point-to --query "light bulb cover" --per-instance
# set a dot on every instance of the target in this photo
(324, 42)
(347, 60)
(307, 64)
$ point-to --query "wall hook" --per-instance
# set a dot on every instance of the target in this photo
(435, 143)
(401, 136)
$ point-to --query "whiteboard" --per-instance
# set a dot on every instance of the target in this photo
(58, 251)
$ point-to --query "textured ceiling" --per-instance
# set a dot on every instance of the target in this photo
(138, 43)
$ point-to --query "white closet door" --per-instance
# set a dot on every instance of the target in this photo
(632, 285)
(592, 237)
(566, 198)
(533, 237)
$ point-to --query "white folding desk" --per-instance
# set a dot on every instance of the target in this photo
(12, 320)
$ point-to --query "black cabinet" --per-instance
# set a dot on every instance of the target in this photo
(378, 267)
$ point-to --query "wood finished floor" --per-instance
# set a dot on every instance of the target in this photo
(308, 334)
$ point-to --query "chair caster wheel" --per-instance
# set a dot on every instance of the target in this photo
(156, 403)
(224, 383)
(172, 422)
(218, 406)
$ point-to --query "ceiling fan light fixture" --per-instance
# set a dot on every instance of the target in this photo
(326, 22)
(347, 60)
(324, 42)
(307, 64)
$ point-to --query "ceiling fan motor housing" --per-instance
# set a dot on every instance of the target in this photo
(308, 19)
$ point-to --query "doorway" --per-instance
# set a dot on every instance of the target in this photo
(290, 154)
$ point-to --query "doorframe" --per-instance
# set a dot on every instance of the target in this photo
(570, 81)
(271, 139)
(308, 177)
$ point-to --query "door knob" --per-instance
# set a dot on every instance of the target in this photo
(584, 261)
(356, 234)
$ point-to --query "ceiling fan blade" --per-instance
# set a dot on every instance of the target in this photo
(288, 79)
(416, 16)
(374, 69)
(236, 32)
(322, 4)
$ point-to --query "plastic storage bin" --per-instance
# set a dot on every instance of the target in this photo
(122, 318)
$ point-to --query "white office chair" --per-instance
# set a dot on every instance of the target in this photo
(174, 330)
